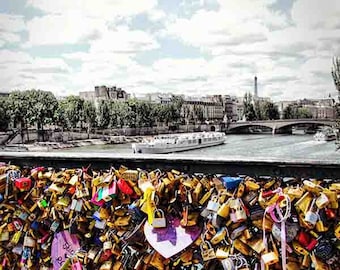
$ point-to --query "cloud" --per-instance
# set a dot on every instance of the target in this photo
(107, 9)
(10, 25)
(124, 40)
(316, 14)
(19, 70)
(68, 28)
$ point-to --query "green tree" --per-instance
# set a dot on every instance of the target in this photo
(73, 109)
(288, 112)
(303, 113)
(18, 104)
(103, 114)
(5, 116)
(89, 115)
(41, 110)
(270, 111)
(248, 107)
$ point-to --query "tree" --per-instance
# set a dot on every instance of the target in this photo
(336, 74)
(270, 111)
(89, 115)
(259, 110)
(103, 114)
(18, 104)
(295, 111)
(41, 110)
(248, 107)
(5, 116)
(73, 109)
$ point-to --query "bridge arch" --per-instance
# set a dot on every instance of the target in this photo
(282, 125)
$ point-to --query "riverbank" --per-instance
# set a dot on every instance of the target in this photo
(50, 146)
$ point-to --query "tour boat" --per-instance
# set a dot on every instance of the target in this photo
(164, 144)
(325, 134)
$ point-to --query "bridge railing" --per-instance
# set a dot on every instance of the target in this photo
(222, 165)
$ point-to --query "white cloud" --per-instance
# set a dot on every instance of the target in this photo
(69, 28)
(19, 70)
(316, 14)
(10, 25)
(124, 40)
(107, 9)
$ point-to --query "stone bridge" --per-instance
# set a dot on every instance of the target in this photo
(280, 126)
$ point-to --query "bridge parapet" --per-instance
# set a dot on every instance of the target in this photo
(216, 165)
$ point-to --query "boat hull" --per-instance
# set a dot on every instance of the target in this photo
(173, 148)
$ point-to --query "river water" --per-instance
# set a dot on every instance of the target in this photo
(298, 147)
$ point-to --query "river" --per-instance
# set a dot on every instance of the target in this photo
(299, 147)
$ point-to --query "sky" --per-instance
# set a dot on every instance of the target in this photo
(191, 47)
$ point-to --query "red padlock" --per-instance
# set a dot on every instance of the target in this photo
(124, 187)
(303, 238)
(23, 183)
(312, 244)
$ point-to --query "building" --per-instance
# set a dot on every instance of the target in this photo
(318, 108)
(202, 109)
(105, 93)
(231, 108)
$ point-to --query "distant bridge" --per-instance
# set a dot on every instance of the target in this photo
(279, 126)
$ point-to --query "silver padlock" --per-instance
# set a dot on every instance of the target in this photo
(312, 217)
(159, 220)
(237, 212)
(213, 204)
(228, 264)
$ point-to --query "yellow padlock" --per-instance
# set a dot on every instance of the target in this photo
(337, 231)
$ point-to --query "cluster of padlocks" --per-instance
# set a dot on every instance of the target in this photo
(129, 218)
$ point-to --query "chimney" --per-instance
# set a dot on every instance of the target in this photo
(255, 87)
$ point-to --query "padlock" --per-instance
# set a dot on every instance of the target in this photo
(237, 212)
(312, 217)
(213, 204)
(224, 210)
(219, 236)
(23, 183)
(304, 202)
(269, 258)
(228, 264)
(207, 251)
(291, 231)
(337, 231)
(322, 201)
(29, 241)
(159, 220)
(324, 249)
(76, 265)
(241, 247)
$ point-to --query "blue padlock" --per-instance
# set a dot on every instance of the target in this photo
(231, 182)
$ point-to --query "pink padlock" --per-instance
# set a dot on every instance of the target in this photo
(76, 265)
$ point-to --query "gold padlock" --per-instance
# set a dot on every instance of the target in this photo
(241, 247)
(224, 210)
(337, 231)
(303, 203)
(207, 251)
